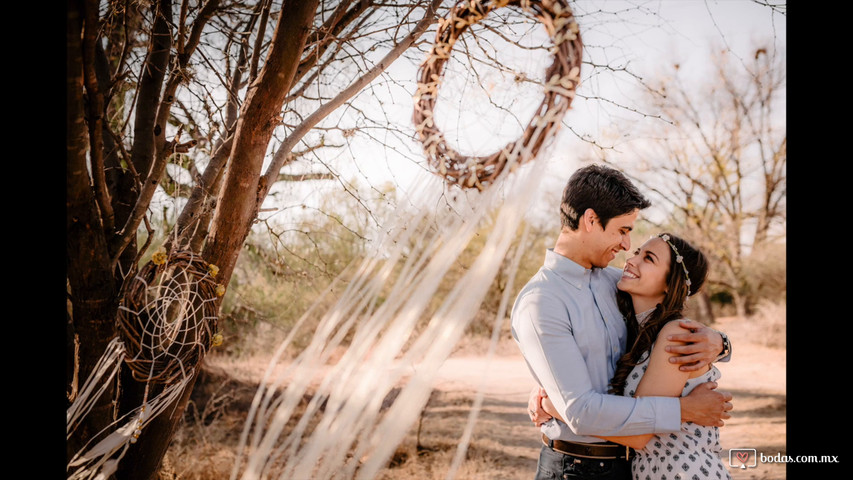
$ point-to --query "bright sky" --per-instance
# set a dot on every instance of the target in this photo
(674, 31)
(645, 39)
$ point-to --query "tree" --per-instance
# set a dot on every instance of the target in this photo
(139, 77)
(718, 163)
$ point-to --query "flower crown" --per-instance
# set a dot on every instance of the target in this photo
(678, 259)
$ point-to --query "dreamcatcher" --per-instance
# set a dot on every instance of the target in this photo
(166, 322)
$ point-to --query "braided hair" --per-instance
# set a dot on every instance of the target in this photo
(678, 288)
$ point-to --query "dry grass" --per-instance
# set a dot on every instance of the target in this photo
(205, 444)
(756, 378)
(765, 327)
(503, 444)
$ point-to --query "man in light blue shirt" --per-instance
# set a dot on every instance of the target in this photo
(571, 333)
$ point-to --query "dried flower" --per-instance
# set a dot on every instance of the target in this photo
(213, 270)
(220, 290)
(159, 257)
(217, 339)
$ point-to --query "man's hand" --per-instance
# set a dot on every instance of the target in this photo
(706, 406)
(701, 346)
(534, 406)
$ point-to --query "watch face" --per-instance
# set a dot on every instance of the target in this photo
(726, 345)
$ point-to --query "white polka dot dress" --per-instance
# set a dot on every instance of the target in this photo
(691, 454)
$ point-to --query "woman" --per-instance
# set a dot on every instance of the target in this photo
(656, 282)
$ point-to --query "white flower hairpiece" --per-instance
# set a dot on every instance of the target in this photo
(678, 259)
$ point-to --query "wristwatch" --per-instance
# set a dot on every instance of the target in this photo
(727, 347)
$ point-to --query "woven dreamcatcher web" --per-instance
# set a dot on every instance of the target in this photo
(168, 317)
(167, 321)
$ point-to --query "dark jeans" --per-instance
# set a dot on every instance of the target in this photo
(555, 465)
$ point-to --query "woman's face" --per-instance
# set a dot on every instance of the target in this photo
(645, 273)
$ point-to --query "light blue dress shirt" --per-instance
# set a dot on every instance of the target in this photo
(571, 333)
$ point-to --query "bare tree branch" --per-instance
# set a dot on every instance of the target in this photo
(95, 116)
(259, 40)
(721, 165)
(301, 177)
(312, 120)
(162, 149)
(235, 212)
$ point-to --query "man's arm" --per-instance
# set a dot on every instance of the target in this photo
(551, 352)
(664, 378)
(699, 347)
(704, 405)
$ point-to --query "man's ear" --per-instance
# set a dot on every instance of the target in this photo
(589, 219)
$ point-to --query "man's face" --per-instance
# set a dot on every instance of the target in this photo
(605, 243)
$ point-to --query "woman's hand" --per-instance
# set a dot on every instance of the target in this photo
(534, 406)
(550, 409)
(541, 408)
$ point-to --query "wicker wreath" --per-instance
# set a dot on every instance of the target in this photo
(167, 318)
(561, 80)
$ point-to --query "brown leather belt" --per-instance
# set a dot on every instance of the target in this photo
(601, 451)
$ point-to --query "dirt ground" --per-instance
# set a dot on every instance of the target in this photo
(755, 376)
(504, 444)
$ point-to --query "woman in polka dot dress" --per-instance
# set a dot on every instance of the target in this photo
(691, 454)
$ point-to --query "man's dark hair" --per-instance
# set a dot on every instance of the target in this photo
(605, 190)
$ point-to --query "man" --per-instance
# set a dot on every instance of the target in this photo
(571, 333)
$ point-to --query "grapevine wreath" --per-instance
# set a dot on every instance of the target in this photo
(561, 79)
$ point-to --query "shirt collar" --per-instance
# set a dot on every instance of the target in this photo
(567, 269)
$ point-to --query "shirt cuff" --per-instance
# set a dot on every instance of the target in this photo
(667, 414)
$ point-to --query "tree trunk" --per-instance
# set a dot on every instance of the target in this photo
(92, 289)
(143, 458)
(740, 302)
(238, 203)
(93, 280)
(703, 310)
